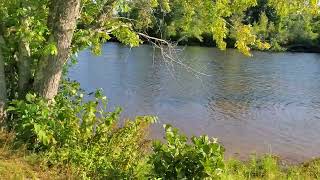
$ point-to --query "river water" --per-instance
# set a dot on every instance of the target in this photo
(268, 103)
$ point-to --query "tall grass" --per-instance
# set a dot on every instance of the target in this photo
(270, 168)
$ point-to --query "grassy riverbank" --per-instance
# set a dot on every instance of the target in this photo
(21, 164)
(270, 167)
(17, 166)
(70, 138)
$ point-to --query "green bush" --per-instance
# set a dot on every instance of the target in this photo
(178, 159)
(81, 134)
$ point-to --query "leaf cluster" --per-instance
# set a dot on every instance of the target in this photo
(81, 134)
(178, 159)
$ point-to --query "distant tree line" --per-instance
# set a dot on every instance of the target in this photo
(285, 25)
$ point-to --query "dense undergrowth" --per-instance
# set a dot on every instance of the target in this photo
(73, 138)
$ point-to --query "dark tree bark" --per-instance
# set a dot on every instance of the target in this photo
(3, 88)
(24, 68)
(24, 59)
(62, 22)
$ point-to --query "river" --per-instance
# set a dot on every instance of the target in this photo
(268, 103)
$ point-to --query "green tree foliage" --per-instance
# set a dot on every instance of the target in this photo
(82, 134)
(38, 37)
(31, 35)
(286, 23)
(220, 18)
(180, 160)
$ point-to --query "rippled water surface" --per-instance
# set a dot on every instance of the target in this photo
(267, 103)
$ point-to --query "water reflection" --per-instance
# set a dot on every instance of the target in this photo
(269, 102)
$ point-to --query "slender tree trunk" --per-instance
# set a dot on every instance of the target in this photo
(24, 59)
(63, 22)
(3, 88)
(24, 68)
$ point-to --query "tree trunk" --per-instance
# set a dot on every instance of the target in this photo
(63, 23)
(3, 88)
(24, 59)
(24, 68)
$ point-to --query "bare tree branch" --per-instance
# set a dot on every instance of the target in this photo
(170, 54)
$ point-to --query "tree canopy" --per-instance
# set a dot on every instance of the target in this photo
(37, 37)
